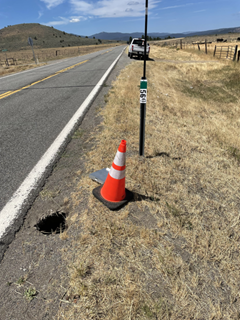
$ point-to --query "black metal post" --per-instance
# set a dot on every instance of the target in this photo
(145, 42)
(143, 91)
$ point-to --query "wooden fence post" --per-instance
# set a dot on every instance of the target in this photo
(235, 53)
(228, 49)
(198, 47)
(214, 51)
(238, 55)
(181, 44)
(206, 46)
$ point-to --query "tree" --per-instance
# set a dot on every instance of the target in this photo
(130, 39)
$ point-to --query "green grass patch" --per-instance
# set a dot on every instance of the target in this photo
(30, 293)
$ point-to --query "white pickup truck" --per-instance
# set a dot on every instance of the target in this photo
(136, 48)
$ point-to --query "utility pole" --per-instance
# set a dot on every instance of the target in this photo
(143, 91)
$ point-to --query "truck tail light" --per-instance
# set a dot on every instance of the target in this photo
(132, 47)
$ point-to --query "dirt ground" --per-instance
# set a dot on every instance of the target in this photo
(173, 251)
(33, 275)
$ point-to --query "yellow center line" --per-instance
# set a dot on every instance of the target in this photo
(5, 94)
(9, 93)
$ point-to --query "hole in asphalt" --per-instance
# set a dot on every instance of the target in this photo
(52, 224)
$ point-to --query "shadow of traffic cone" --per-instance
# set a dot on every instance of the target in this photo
(113, 193)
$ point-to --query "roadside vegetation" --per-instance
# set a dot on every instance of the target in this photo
(173, 252)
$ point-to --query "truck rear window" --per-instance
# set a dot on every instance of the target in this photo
(138, 42)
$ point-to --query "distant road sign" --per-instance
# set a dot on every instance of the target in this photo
(4, 50)
(30, 41)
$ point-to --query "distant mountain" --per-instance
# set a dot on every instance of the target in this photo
(215, 31)
(118, 36)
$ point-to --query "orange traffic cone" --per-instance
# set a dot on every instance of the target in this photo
(113, 193)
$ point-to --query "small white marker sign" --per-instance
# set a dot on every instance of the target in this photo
(143, 95)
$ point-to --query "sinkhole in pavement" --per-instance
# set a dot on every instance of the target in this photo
(52, 224)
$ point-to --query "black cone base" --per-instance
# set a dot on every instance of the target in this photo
(112, 205)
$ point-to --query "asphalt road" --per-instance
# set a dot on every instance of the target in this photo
(32, 117)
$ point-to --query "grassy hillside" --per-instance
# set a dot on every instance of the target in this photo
(14, 38)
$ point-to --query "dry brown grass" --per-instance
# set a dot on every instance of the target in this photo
(190, 43)
(24, 59)
(173, 252)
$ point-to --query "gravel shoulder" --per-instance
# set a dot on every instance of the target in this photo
(33, 275)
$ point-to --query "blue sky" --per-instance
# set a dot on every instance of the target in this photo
(87, 17)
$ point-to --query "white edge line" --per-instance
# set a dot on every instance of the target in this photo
(12, 209)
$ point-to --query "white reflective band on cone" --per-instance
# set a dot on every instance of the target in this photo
(116, 174)
(120, 159)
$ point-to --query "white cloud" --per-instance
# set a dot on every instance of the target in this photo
(100, 8)
(66, 20)
(129, 10)
(59, 22)
(52, 3)
(81, 6)
(77, 19)
(133, 3)
(74, 20)
(111, 8)
(178, 6)
(40, 13)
